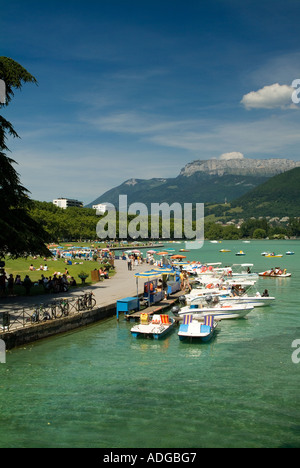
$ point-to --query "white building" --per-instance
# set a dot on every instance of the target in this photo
(102, 208)
(67, 203)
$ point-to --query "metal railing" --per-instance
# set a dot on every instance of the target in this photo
(15, 319)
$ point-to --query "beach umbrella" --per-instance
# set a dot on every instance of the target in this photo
(177, 257)
(148, 274)
(164, 271)
(162, 253)
(152, 252)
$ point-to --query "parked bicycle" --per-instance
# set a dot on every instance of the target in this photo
(40, 315)
(86, 302)
(63, 308)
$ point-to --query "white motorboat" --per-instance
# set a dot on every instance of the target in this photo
(221, 283)
(226, 297)
(156, 328)
(242, 271)
(254, 301)
(198, 294)
(219, 311)
(191, 328)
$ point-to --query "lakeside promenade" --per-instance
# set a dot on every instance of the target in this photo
(107, 292)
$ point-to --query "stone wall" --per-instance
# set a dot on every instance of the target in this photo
(39, 331)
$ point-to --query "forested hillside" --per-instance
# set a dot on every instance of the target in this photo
(278, 197)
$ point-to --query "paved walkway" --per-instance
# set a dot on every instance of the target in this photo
(107, 292)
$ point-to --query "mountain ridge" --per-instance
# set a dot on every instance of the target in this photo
(202, 181)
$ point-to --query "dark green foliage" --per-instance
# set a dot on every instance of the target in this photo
(278, 197)
(20, 235)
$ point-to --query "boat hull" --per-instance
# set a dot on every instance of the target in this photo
(194, 332)
(251, 301)
(147, 331)
(268, 275)
(219, 313)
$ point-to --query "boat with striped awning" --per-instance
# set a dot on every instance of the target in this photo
(191, 328)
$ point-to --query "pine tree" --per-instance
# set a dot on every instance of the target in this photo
(20, 235)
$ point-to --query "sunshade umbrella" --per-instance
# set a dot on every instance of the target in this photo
(151, 252)
(177, 257)
(162, 253)
(164, 271)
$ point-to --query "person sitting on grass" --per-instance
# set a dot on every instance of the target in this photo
(73, 282)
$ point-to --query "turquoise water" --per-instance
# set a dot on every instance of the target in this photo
(99, 387)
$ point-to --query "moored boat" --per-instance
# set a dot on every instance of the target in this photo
(219, 311)
(191, 328)
(156, 328)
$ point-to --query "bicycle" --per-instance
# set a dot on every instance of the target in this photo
(63, 308)
(40, 315)
(86, 302)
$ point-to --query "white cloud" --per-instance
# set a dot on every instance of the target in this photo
(233, 155)
(270, 97)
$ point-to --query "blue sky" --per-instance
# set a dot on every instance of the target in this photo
(141, 88)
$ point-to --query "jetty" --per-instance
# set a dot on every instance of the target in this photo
(158, 308)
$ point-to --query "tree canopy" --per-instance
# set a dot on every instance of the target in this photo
(20, 235)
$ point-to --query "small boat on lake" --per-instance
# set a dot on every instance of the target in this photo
(240, 254)
(194, 329)
(290, 253)
(225, 251)
(156, 328)
(273, 255)
(275, 273)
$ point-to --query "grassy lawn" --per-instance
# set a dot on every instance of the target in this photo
(21, 267)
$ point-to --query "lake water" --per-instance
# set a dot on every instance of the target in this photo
(99, 387)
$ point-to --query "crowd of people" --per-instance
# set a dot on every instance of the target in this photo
(55, 283)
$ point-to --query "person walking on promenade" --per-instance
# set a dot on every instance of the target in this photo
(186, 283)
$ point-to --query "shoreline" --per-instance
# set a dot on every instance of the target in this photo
(122, 284)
